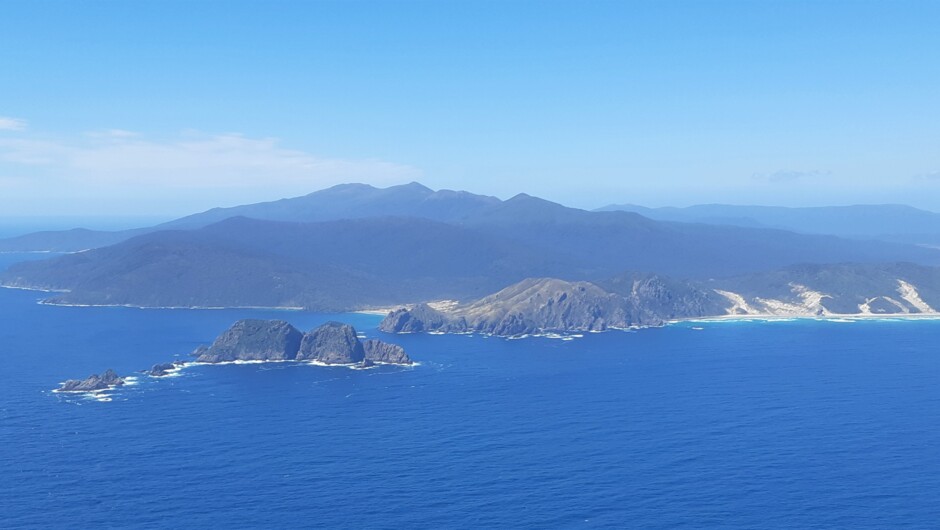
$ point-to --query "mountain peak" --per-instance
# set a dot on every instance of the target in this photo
(346, 187)
(415, 186)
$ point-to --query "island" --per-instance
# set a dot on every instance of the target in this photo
(333, 343)
(93, 383)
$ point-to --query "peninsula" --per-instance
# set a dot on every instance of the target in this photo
(547, 305)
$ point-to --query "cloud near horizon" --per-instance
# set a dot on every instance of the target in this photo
(126, 173)
(789, 175)
(11, 124)
(191, 160)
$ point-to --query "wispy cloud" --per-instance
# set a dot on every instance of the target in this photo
(190, 160)
(11, 124)
(932, 175)
(789, 175)
(111, 133)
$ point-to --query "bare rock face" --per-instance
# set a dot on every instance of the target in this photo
(93, 383)
(377, 351)
(254, 340)
(656, 298)
(332, 343)
(533, 306)
(546, 304)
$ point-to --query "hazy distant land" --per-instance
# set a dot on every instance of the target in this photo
(515, 267)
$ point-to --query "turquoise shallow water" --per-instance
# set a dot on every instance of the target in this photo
(740, 424)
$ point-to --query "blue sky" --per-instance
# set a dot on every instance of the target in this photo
(170, 107)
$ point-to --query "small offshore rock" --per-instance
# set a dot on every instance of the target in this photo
(93, 382)
(160, 370)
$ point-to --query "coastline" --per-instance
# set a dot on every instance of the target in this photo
(133, 306)
(2, 252)
(821, 318)
(567, 334)
(36, 289)
(375, 312)
(199, 308)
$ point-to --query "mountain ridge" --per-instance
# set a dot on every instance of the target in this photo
(355, 200)
(888, 222)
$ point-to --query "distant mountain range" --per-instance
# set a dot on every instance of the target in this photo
(345, 201)
(355, 246)
(894, 223)
(888, 222)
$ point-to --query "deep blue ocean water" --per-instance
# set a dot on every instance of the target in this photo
(800, 424)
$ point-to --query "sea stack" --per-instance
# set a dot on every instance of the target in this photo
(254, 340)
(332, 343)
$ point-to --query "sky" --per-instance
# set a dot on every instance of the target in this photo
(165, 108)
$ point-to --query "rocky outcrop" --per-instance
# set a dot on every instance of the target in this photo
(377, 351)
(93, 383)
(254, 340)
(275, 340)
(332, 343)
(546, 305)
(164, 369)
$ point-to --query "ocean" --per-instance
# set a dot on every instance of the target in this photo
(804, 424)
